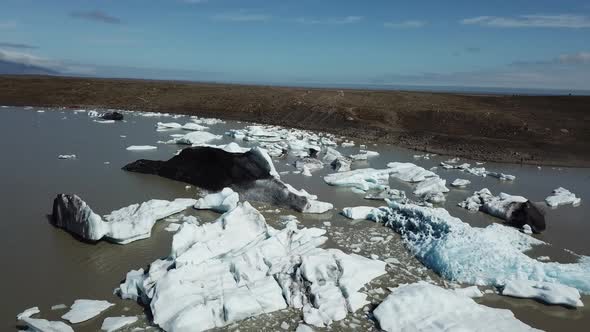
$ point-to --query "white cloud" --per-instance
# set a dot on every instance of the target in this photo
(241, 17)
(577, 58)
(531, 21)
(410, 24)
(342, 20)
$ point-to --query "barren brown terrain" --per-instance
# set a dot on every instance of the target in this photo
(544, 130)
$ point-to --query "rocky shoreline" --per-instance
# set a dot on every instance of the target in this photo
(540, 130)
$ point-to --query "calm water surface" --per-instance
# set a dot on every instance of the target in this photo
(44, 266)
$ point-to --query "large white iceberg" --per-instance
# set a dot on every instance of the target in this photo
(83, 310)
(425, 307)
(222, 201)
(121, 226)
(562, 196)
(238, 267)
(493, 255)
(543, 291)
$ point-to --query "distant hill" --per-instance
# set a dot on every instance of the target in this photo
(15, 68)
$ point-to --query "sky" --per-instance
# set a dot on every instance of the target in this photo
(515, 43)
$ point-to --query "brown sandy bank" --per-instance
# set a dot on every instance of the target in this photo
(544, 130)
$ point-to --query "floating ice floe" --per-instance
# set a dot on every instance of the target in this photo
(363, 179)
(111, 324)
(490, 256)
(303, 328)
(309, 164)
(83, 310)
(432, 189)
(460, 183)
(562, 196)
(336, 160)
(358, 212)
(206, 121)
(193, 126)
(364, 155)
(478, 171)
(195, 138)
(43, 325)
(59, 307)
(141, 147)
(425, 307)
(28, 313)
(409, 172)
(122, 226)
(66, 156)
(161, 126)
(172, 227)
(222, 201)
(104, 121)
(546, 292)
(239, 267)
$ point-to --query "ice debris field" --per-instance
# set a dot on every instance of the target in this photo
(238, 266)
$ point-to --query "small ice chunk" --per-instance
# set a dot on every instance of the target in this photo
(472, 292)
(66, 156)
(195, 138)
(358, 212)
(547, 292)
(141, 147)
(562, 196)
(285, 325)
(304, 328)
(28, 313)
(168, 125)
(425, 307)
(104, 121)
(83, 310)
(59, 307)
(193, 126)
(527, 229)
(172, 227)
(43, 325)
(222, 201)
(111, 324)
(460, 183)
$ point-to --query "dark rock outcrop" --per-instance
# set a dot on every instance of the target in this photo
(112, 116)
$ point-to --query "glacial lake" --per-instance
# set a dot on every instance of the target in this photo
(45, 266)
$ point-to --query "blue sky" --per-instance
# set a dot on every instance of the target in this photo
(517, 43)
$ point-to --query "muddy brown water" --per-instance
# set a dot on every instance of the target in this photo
(43, 266)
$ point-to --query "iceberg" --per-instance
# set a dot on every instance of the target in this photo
(425, 307)
(311, 164)
(516, 210)
(222, 201)
(239, 267)
(83, 310)
(409, 172)
(43, 325)
(477, 171)
(363, 179)
(472, 292)
(251, 173)
(168, 125)
(562, 196)
(387, 193)
(546, 292)
(194, 126)
(432, 189)
(490, 256)
(122, 226)
(66, 156)
(111, 324)
(141, 147)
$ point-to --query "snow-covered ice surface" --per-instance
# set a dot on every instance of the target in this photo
(195, 138)
(471, 291)
(425, 307)
(238, 267)
(546, 292)
(490, 256)
(562, 196)
(222, 201)
(83, 310)
(43, 325)
(111, 324)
